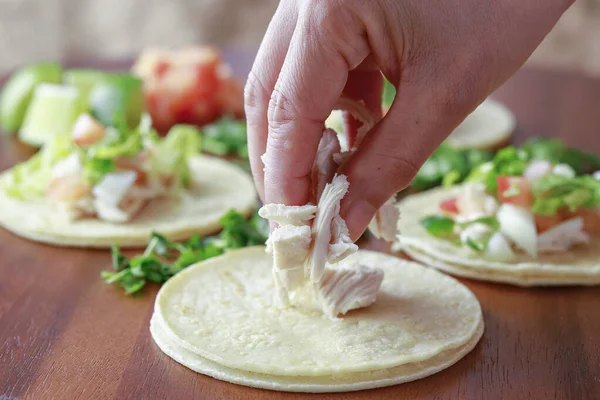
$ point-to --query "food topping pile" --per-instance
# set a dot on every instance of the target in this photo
(534, 199)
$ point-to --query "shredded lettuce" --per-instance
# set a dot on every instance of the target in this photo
(555, 192)
(117, 143)
(171, 155)
(30, 178)
(94, 169)
(509, 161)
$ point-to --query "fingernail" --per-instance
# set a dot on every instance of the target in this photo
(358, 216)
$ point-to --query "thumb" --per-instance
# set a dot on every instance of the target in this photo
(392, 153)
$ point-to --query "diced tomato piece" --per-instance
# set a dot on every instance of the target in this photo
(514, 190)
(545, 222)
(449, 205)
(131, 164)
(231, 97)
(591, 219)
(67, 188)
(207, 82)
(161, 68)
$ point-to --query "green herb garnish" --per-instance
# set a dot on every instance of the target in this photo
(225, 137)
(444, 228)
(556, 152)
(162, 258)
(438, 226)
(555, 192)
(449, 166)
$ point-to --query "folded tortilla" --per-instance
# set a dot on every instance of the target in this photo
(579, 266)
(220, 318)
(217, 186)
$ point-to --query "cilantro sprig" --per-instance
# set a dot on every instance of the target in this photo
(225, 137)
(162, 259)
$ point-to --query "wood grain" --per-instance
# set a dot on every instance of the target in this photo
(66, 335)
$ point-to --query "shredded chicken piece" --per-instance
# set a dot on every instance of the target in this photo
(358, 121)
(311, 240)
(121, 213)
(328, 210)
(288, 215)
(324, 167)
(348, 287)
(289, 245)
(384, 224)
(563, 236)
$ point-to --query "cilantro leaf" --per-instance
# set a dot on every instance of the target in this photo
(438, 226)
(162, 259)
(225, 137)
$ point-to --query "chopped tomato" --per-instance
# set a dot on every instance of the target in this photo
(591, 219)
(129, 164)
(67, 188)
(207, 83)
(162, 67)
(192, 86)
(449, 205)
(545, 222)
(514, 190)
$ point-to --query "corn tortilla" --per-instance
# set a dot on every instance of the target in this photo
(220, 318)
(217, 187)
(580, 266)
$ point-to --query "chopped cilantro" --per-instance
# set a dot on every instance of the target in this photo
(162, 258)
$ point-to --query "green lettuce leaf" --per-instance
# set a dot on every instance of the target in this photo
(172, 154)
(557, 152)
(555, 192)
(30, 178)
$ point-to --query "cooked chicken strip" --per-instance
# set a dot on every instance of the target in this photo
(384, 224)
(328, 209)
(348, 287)
(288, 215)
(324, 167)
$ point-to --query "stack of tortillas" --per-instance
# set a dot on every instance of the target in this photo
(220, 318)
(489, 127)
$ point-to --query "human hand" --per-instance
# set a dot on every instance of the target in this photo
(444, 58)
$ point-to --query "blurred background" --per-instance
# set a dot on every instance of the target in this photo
(117, 29)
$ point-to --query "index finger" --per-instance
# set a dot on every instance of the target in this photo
(310, 83)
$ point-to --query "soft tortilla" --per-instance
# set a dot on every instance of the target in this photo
(311, 384)
(581, 266)
(220, 318)
(489, 126)
(217, 187)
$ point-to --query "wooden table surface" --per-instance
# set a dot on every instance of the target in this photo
(64, 334)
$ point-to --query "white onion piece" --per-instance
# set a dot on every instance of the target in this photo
(536, 169)
(564, 170)
(517, 224)
(474, 232)
(498, 249)
(113, 213)
(113, 187)
(596, 175)
(563, 236)
(69, 166)
(473, 202)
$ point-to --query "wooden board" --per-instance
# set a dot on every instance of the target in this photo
(66, 335)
